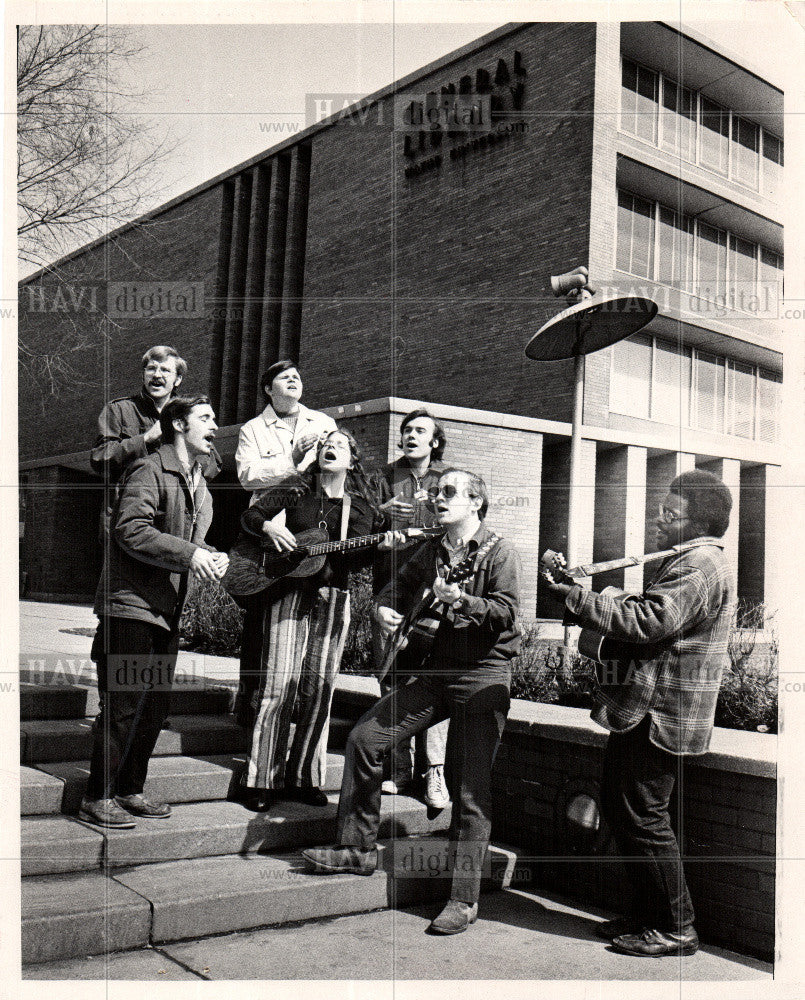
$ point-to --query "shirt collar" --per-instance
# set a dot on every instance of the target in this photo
(472, 544)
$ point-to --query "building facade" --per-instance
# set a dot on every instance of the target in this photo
(401, 249)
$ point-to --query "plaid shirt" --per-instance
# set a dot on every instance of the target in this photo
(679, 627)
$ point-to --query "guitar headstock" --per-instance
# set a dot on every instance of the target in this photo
(553, 566)
(461, 571)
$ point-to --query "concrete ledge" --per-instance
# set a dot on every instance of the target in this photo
(40, 793)
(51, 844)
(730, 749)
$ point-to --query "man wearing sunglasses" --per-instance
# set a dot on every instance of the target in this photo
(403, 488)
(673, 637)
(465, 679)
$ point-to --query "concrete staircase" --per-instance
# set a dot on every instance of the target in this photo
(213, 866)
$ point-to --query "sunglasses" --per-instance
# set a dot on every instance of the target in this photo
(448, 491)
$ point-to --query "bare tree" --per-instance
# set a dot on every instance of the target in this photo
(87, 163)
(86, 158)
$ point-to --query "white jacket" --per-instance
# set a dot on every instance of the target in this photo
(265, 444)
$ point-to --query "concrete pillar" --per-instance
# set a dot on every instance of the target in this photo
(752, 542)
(620, 513)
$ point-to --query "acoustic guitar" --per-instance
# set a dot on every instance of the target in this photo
(253, 567)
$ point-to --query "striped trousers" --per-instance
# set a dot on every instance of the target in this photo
(303, 638)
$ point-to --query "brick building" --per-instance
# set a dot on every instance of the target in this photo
(404, 264)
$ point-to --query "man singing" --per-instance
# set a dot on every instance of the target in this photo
(676, 634)
(403, 486)
(466, 679)
(282, 441)
(158, 526)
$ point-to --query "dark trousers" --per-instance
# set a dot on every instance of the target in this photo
(135, 662)
(477, 703)
(637, 781)
(251, 652)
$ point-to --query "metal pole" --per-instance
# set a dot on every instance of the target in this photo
(575, 498)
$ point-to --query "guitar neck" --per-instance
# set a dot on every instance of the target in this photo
(590, 569)
(359, 542)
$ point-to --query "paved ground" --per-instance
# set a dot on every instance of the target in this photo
(519, 936)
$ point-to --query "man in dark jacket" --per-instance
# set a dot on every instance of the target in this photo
(403, 487)
(162, 514)
(129, 428)
(672, 640)
(466, 679)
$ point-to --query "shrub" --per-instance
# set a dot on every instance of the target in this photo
(748, 696)
(211, 621)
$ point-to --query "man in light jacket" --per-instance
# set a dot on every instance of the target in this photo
(158, 526)
(278, 443)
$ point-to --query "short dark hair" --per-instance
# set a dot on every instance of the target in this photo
(477, 487)
(708, 499)
(178, 408)
(161, 353)
(438, 432)
(271, 373)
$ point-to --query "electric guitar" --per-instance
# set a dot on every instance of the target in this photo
(253, 567)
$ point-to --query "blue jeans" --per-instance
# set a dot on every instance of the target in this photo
(477, 703)
(636, 785)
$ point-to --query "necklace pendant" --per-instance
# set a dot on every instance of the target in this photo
(323, 525)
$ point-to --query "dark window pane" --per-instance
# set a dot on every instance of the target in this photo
(769, 389)
(714, 149)
(709, 398)
(670, 400)
(745, 155)
(711, 252)
(741, 400)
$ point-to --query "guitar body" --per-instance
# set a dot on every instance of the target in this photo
(253, 568)
(613, 659)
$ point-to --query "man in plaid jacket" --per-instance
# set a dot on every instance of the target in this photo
(674, 638)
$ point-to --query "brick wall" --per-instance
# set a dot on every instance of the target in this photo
(435, 285)
(180, 245)
(727, 831)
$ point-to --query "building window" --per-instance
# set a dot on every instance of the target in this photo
(697, 129)
(715, 265)
(630, 383)
(639, 101)
(772, 163)
(656, 380)
(745, 150)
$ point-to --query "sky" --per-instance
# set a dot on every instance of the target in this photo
(224, 93)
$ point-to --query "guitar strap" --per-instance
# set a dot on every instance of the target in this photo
(346, 503)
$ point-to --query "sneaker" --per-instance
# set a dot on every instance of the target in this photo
(389, 788)
(105, 812)
(341, 860)
(140, 805)
(436, 795)
(454, 918)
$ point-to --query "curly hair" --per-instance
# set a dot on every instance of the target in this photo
(708, 499)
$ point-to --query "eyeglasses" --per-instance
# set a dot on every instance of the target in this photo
(152, 369)
(669, 516)
(448, 491)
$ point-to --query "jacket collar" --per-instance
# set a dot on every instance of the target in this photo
(474, 543)
(270, 416)
(171, 461)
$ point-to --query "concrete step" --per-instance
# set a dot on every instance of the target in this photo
(58, 787)
(50, 740)
(63, 701)
(64, 916)
(203, 896)
(204, 829)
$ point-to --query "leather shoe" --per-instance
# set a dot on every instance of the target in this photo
(610, 929)
(309, 794)
(454, 918)
(142, 806)
(655, 944)
(258, 800)
(341, 860)
(105, 812)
